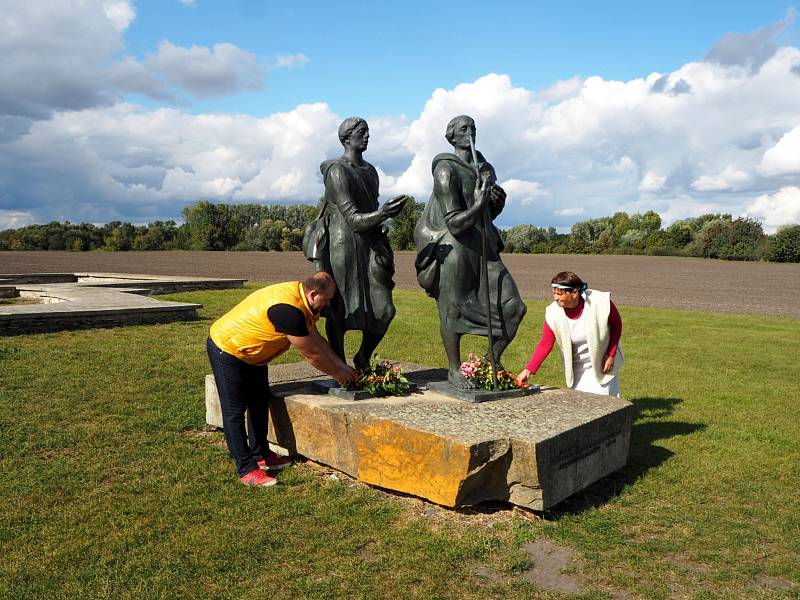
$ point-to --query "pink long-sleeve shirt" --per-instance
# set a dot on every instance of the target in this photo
(548, 339)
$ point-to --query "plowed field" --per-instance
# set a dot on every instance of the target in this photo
(692, 284)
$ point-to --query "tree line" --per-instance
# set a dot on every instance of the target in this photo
(707, 236)
(209, 226)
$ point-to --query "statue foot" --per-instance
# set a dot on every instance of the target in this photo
(359, 362)
(456, 379)
(488, 359)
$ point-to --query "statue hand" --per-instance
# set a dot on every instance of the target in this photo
(393, 207)
(498, 195)
(482, 193)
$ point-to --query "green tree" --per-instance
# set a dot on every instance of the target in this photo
(401, 228)
(209, 226)
(740, 239)
(120, 236)
(528, 239)
(157, 235)
(784, 246)
(679, 234)
(589, 231)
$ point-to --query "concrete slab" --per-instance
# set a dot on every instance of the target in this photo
(329, 386)
(85, 300)
(448, 389)
(532, 451)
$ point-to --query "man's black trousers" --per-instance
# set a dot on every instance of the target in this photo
(241, 387)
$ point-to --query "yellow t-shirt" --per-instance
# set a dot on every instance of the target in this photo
(246, 332)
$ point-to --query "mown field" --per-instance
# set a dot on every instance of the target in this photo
(112, 486)
(659, 281)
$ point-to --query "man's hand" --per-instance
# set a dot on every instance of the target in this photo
(345, 376)
(523, 376)
(321, 356)
(608, 363)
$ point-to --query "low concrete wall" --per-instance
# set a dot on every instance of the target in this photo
(64, 321)
(43, 278)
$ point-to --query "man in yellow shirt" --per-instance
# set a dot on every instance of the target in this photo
(242, 343)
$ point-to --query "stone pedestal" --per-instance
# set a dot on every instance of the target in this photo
(532, 451)
(448, 389)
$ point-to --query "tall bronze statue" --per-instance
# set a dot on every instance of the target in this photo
(349, 240)
(450, 250)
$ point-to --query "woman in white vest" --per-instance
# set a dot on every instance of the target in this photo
(586, 325)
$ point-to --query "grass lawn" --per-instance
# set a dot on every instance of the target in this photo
(111, 489)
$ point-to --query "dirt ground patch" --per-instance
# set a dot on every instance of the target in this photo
(668, 282)
(554, 567)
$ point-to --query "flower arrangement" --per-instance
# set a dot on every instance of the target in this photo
(479, 371)
(381, 378)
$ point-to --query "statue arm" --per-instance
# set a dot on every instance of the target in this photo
(457, 217)
(358, 221)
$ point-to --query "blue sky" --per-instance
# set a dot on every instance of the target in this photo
(131, 110)
(378, 58)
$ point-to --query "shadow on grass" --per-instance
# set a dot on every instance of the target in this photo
(643, 456)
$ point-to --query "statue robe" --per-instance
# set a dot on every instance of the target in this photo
(448, 261)
(359, 255)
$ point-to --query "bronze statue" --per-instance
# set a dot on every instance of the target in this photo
(449, 251)
(349, 240)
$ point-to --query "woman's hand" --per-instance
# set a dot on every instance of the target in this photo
(523, 376)
(608, 363)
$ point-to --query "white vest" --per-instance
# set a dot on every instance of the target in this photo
(596, 309)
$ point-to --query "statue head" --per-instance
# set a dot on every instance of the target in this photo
(459, 130)
(355, 130)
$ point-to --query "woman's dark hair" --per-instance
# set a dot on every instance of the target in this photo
(568, 278)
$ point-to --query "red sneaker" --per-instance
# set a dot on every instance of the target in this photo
(258, 478)
(273, 462)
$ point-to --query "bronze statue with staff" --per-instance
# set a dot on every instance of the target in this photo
(458, 252)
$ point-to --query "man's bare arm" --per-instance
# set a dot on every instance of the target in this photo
(313, 347)
(324, 344)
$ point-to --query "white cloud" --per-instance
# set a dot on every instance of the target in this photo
(682, 143)
(523, 192)
(13, 219)
(730, 178)
(119, 12)
(290, 61)
(191, 3)
(784, 157)
(652, 182)
(570, 212)
(751, 49)
(128, 163)
(203, 71)
(561, 90)
(45, 68)
(774, 210)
